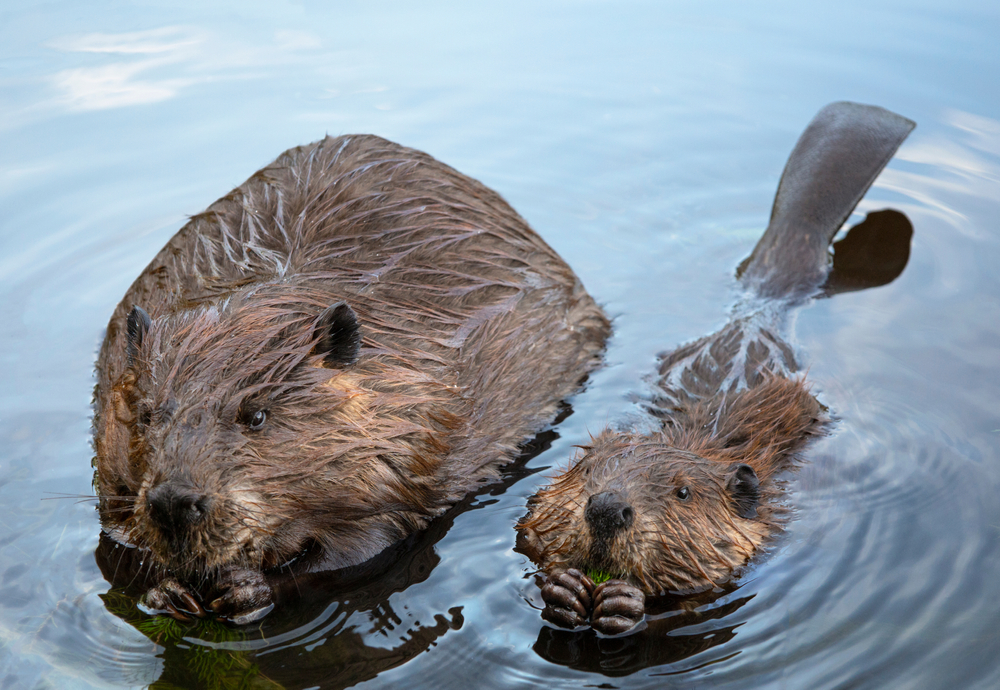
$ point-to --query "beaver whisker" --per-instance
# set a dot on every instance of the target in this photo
(128, 509)
(61, 496)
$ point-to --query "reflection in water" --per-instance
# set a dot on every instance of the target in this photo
(357, 635)
(872, 254)
(210, 654)
(622, 132)
(358, 632)
(963, 173)
(662, 641)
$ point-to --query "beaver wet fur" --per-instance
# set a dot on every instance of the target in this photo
(326, 359)
(683, 503)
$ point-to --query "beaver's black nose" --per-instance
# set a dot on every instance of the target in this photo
(608, 513)
(175, 507)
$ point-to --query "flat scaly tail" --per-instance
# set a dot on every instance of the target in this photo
(833, 164)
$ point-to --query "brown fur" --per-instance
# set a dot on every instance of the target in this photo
(473, 330)
(676, 545)
(684, 506)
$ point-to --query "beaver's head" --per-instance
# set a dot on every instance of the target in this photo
(636, 508)
(243, 432)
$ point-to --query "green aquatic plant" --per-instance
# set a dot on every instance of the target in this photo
(194, 652)
(598, 577)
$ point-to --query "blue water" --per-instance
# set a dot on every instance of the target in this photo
(644, 142)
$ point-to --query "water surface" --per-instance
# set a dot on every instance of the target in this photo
(644, 141)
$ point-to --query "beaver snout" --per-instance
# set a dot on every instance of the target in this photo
(175, 507)
(608, 513)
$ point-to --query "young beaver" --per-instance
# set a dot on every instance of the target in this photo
(326, 359)
(682, 507)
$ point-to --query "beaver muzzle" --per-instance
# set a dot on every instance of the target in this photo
(175, 508)
(607, 514)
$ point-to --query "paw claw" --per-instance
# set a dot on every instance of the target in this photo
(250, 616)
(619, 607)
(568, 597)
(191, 604)
(613, 625)
(564, 618)
(171, 598)
(243, 596)
(240, 597)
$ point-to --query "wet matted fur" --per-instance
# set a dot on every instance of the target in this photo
(682, 501)
(327, 358)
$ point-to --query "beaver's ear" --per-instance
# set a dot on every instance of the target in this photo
(744, 489)
(338, 336)
(137, 324)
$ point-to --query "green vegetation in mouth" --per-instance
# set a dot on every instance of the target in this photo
(598, 577)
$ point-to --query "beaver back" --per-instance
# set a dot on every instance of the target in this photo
(331, 354)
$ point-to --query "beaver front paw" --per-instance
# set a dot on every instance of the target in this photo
(568, 595)
(173, 599)
(618, 607)
(241, 596)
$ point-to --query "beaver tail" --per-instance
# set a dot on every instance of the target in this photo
(833, 164)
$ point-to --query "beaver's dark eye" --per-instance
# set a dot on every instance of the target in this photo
(683, 493)
(258, 419)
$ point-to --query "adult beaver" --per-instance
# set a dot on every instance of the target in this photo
(323, 361)
(684, 506)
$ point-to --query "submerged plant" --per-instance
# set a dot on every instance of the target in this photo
(194, 652)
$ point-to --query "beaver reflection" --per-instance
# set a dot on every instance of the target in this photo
(363, 633)
(873, 253)
(684, 507)
(663, 641)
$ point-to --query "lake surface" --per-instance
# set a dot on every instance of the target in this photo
(644, 142)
